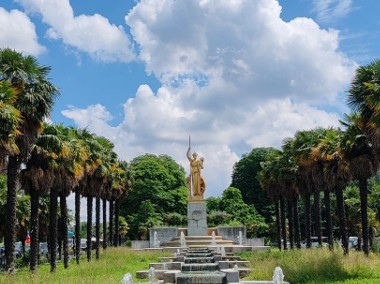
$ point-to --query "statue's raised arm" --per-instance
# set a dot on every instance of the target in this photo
(188, 154)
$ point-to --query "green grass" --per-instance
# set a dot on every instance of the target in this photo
(316, 266)
(299, 266)
(113, 264)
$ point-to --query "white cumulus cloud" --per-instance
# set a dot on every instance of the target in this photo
(93, 34)
(233, 74)
(18, 32)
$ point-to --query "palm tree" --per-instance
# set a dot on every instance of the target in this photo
(101, 178)
(89, 157)
(300, 147)
(38, 178)
(337, 176)
(67, 175)
(321, 154)
(34, 101)
(100, 153)
(10, 120)
(288, 176)
(364, 97)
(120, 187)
(269, 182)
(363, 165)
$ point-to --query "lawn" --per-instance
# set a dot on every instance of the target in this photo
(317, 265)
(113, 264)
(299, 266)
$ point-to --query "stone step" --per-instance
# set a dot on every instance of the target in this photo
(141, 274)
(243, 272)
(199, 259)
(216, 277)
(231, 264)
(200, 267)
(198, 254)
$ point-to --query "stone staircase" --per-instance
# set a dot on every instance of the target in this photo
(198, 265)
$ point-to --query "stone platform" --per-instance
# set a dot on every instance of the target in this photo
(200, 265)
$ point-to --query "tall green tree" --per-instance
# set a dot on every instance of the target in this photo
(233, 204)
(364, 96)
(37, 179)
(158, 188)
(244, 177)
(300, 148)
(324, 155)
(34, 101)
(269, 181)
(10, 120)
(363, 164)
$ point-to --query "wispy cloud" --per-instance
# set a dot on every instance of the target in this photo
(330, 10)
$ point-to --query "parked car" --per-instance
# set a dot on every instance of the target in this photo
(18, 249)
(314, 242)
(353, 242)
(44, 251)
(83, 244)
(2, 256)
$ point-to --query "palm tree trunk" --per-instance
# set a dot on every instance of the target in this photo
(13, 170)
(59, 238)
(111, 222)
(116, 235)
(89, 227)
(342, 219)
(97, 225)
(308, 220)
(371, 236)
(63, 204)
(283, 222)
(77, 226)
(363, 186)
(329, 229)
(297, 229)
(23, 247)
(317, 215)
(34, 243)
(291, 223)
(53, 229)
(278, 223)
(104, 223)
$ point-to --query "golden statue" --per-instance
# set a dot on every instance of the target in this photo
(195, 181)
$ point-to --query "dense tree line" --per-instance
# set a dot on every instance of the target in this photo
(327, 160)
(51, 160)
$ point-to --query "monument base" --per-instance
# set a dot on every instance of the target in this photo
(196, 218)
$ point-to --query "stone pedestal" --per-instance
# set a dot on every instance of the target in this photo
(196, 218)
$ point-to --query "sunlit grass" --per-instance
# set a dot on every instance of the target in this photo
(113, 264)
(316, 266)
(299, 266)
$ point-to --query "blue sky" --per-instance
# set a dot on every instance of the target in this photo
(235, 74)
